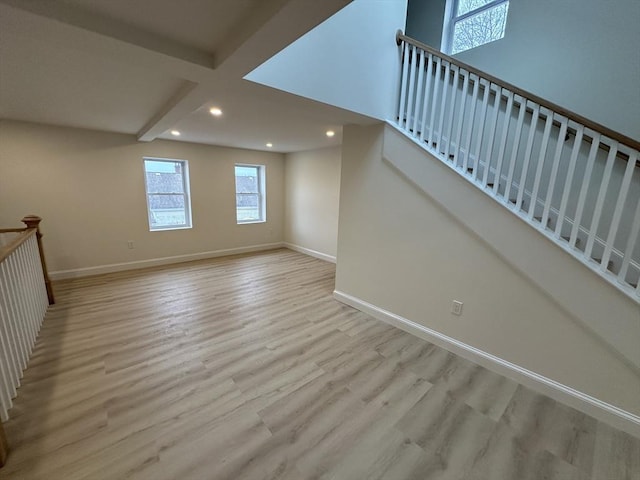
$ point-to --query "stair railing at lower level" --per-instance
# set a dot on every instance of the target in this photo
(575, 181)
(25, 293)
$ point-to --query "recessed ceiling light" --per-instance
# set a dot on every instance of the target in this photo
(269, 145)
(215, 111)
(330, 133)
(175, 133)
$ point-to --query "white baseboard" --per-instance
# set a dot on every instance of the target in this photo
(598, 409)
(154, 262)
(312, 253)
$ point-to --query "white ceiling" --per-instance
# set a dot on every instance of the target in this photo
(144, 67)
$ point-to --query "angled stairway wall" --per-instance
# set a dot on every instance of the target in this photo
(413, 236)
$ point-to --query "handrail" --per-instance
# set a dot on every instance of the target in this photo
(624, 139)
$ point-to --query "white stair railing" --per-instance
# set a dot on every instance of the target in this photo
(575, 181)
(25, 294)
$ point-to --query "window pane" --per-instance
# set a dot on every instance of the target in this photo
(167, 210)
(465, 6)
(247, 180)
(164, 177)
(479, 29)
(247, 208)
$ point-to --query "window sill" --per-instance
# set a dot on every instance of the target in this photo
(251, 222)
(164, 229)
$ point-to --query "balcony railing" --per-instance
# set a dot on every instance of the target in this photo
(573, 180)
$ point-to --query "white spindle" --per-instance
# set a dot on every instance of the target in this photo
(554, 170)
(403, 86)
(597, 213)
(617, 212)
(541, 160)
(434, 103)
(503, 142)
(419, 100)
(586, 180)
(463, 104)
(631, 245)
(452, 111)
(481, 121)
(410, 98)
(474, 101)
(577, 143)
(514, 150)
(10, 301)
(527, 154)
(443, 107)
(23, 302)
(8, 332)
(427, 97)
(492, 133)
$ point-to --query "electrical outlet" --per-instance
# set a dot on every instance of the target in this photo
(456, 308)
(130, 244)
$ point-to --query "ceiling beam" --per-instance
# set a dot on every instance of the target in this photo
(73, 28)
(187, 98)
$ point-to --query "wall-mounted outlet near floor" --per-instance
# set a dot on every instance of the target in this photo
(130, 244)
(456, 308)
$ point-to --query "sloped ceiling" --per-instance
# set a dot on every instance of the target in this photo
(145, 67)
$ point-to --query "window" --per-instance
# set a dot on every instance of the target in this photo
(250, 197)
(471, 23)
(167, 186)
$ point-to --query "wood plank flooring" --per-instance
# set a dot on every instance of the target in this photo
(246, 368)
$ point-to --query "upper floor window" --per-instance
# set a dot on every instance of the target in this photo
(471, 23)
(167, 187)
(250, 194)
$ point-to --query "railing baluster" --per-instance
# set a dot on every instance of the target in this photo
(586, 180)
(438, 105)
(514, 150)
(427, 97)
(492, 134)
(452, 111)
(631, 245)
(463, 104)
(617, 212)
(467, 145)
(419, 101)
(503, 143)
(412, 80)
(434, 103)
(483, 116)
(577, 143)
(403, 86)
(597, 212)
(554, 170)
(527, 155)
(541, 161)
(443, 108)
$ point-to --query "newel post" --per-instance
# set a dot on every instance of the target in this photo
(4, 447)
(33, 221)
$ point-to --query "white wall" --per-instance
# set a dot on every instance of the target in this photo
(350, 60)
(88, 187)
(312, 191)
(580, 54)
(401, 251)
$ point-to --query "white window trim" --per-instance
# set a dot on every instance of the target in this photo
(186, 194)
(262, 195)
(450, 20)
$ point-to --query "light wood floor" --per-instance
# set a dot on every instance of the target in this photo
(246, 368)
